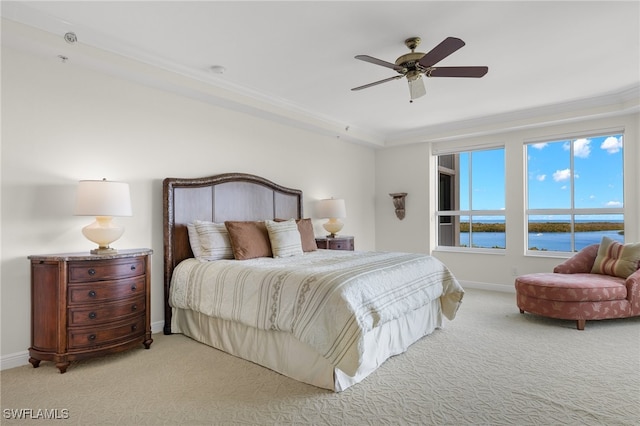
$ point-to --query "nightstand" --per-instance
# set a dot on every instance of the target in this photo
(340, 242)
(85, 305)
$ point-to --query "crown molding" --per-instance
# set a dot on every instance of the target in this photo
(25, 28)
(623, 102)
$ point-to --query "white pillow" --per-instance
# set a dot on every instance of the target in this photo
(284, 237)
(194, 240)
(214, 241)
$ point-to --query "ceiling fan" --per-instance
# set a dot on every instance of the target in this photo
(413, 65)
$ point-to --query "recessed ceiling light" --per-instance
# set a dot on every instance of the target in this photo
(218, 69)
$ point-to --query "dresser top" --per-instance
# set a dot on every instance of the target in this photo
(121, 254)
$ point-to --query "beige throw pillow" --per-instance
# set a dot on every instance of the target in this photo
(307, 236)
(284, 237)
(194, 241)
(615, 259)
(214, 241)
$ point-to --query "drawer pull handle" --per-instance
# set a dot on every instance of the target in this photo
(92, 315)
(92, 337)
(134, 308)
(92, 293)
(133, 267)
(134, 327)
(134, 287)
(92, 272)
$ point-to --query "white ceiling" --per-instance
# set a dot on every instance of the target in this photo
(294, 60)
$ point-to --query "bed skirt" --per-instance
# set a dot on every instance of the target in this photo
(281, 352)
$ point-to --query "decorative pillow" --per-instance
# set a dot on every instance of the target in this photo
(194, 241)
(618, 260)
(214, 241)
(579, 263)
(307, 237)
(284, 237)
(249, 239)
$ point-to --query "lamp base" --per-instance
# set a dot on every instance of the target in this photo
(104, 250)
(103, 232)
(333, 226)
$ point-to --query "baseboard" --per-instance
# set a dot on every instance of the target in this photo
(488, 286)
(18, 359)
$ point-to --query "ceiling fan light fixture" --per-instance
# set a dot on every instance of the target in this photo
(415, 64)
(416, 87)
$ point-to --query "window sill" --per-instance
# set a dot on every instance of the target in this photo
(549, 254)
(468, 250)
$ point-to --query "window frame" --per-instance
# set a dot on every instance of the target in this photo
(471, 213)
(571, 211)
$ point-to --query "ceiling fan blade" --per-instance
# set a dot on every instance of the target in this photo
(377, 61)
(457, 72)
(375, 83)
(441, 51)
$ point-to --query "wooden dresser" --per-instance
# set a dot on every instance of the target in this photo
(339, 242)
(85, 305)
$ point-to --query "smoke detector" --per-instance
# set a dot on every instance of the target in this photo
(70, 37)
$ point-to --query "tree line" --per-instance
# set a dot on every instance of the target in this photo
(542, 227)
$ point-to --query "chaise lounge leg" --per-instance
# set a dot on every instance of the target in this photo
(581, 323)
(521, 311)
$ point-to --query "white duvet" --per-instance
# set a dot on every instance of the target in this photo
(327, 299)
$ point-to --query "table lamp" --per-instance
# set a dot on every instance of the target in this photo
(332, 209)
(103, 199)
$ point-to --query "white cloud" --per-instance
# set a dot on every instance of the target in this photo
(592, 197)
(582, 148)
(540, 178)
(614, 204)
(540, 145)
(611, 145)
(560, 175)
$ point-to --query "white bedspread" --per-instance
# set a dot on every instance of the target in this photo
(327, 299)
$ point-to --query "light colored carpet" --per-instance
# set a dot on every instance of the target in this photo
(490, 366)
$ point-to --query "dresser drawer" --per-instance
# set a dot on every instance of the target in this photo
(86, 337)
(340, 244)
(105, 291)
(110, 269)
(111, 312)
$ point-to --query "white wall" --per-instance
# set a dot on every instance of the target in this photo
(62, 123)
(411, 169)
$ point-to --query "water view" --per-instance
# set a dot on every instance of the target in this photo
(550, 241)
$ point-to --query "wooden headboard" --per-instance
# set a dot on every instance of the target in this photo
(229, 196)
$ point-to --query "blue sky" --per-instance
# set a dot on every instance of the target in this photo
(488, 180)
(598, 175)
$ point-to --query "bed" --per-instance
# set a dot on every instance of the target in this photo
(323, 317)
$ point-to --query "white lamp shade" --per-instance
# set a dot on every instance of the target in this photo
(103, 198)
(331, 208)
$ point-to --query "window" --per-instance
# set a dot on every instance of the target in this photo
(471, 199)
(574, 192)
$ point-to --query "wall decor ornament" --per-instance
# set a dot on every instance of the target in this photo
(398, 202)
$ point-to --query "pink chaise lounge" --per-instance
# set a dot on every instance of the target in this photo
(574, 292)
